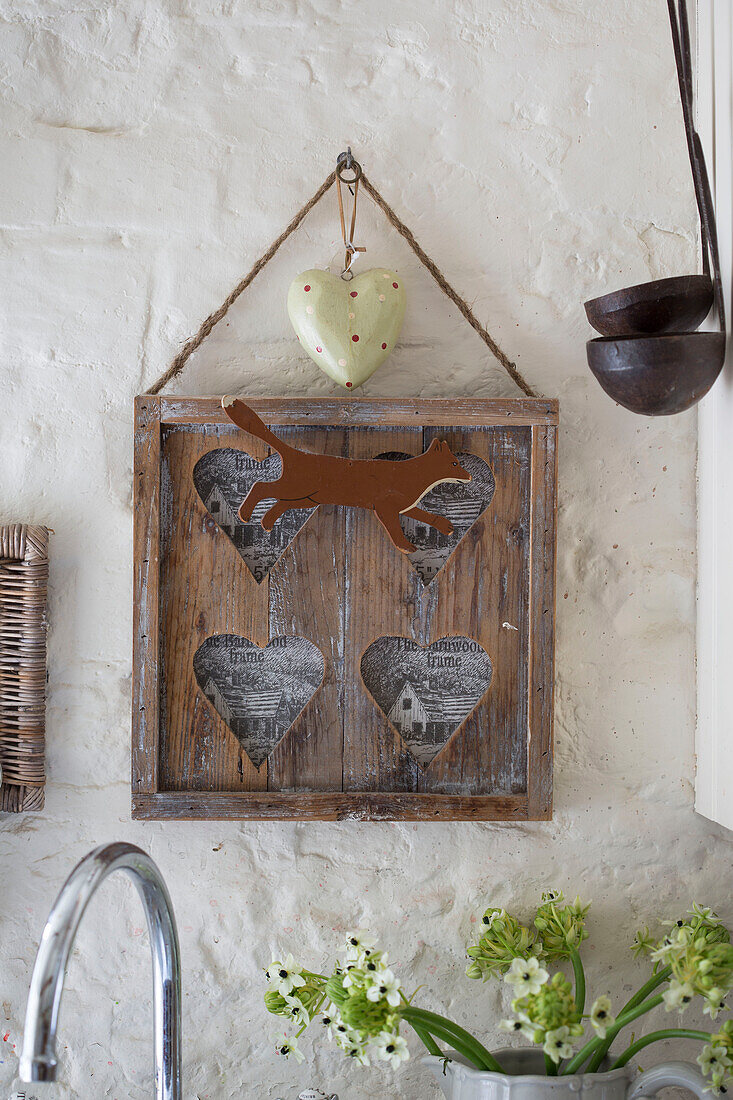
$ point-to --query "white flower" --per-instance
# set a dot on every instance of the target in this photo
(715, 1062)
(392, 1049)
(674, 943)
(355, 1050)
(334, 1025)
(360, 942)
(678, 995)
(298, 1010)
(385, 987)
(714, 1002)
(518, 1027)
(286, 1047)
(341, 1032)
(373, 960)
(330, 1018)
(353, 977)
(286, 976)
(557, 1043)
(601, 1016)
(526, 976)
(713, 1058)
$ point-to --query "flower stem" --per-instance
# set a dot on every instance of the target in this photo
(427, 1040)
(460, 1039)
(655, 1037)
(595, 1045)
(424, 1036)
(638, 998)
(550, 1066)
(579, 979)
(450, 1040)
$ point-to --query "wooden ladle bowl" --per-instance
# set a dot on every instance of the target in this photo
(657, 375)
(679, 304)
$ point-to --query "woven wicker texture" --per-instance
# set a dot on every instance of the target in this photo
(23, 588)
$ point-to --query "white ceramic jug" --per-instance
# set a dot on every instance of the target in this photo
(525, 1080)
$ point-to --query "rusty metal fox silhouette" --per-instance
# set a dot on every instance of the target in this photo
(389, 487)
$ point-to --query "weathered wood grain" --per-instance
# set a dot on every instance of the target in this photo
(307, 598)
(145, 629)
(205, 589)
(483, 592)
(339, 806)
(381, 599)
(396, 411)
(542, 636)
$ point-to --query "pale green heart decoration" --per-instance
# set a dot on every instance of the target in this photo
(347, 328)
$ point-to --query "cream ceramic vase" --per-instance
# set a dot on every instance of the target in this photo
(525, 1079)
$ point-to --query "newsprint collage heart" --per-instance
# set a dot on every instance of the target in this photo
(426, 692)
(461, 502)
(223, 478)
(259, 693)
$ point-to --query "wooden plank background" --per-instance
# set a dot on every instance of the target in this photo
(342, 584)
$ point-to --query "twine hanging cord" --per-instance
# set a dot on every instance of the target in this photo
(196, 341)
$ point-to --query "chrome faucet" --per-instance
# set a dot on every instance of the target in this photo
(38, 1060)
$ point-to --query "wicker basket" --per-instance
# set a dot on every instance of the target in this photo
(23, 588)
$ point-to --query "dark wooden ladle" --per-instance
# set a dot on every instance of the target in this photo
(660, 371)
(681, 303)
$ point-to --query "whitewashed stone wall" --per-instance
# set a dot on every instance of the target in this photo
(151, 149)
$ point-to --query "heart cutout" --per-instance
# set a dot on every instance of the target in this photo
(462, 502)
(259, 693)
(223, 478)
(426, 692)
(347, 328)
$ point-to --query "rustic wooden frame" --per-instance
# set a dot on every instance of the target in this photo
(149, 801)
(23, 596)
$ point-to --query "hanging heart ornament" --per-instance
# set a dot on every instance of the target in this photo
(347, 328)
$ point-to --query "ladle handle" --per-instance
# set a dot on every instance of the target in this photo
(683, 62)
(707, 217)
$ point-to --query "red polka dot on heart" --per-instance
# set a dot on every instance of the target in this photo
(349, 385)
(319, 348)
(354, 293)
(355, 338)
(383, 346)
(306, 287)
(396, 286)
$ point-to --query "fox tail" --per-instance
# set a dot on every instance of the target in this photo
(249, 421)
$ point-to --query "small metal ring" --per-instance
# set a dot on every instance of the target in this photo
(342, 164)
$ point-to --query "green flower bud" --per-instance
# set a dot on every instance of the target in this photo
(366, 1017)
(561, 926)
(704, 966)
(276, 1004)
(335, 988)
(503, 939)
(553, 1007)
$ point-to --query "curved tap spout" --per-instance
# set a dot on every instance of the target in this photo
(38, 1060)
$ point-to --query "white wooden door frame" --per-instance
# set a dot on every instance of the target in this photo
(714, 741)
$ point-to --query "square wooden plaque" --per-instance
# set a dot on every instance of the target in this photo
(342, 585)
